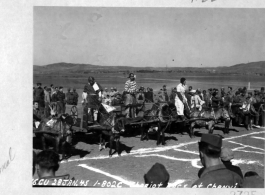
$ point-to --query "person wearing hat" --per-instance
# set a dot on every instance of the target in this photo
(165, 94)
(93, 98)
(157, 176)
(75, 94)
(253, 180)
(61, 101)
(105, 93)
(149, 96)
(180, 99)
(39, 96)
(67, 95)
(130, 96)
(47, 100)
(226, 156)
(215, 173)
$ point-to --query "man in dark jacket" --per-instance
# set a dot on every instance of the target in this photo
(215, 174)
(75, 96)
(61, 101)
(39, 96)
(215, 99)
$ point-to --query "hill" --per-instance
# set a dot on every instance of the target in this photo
(256, 68)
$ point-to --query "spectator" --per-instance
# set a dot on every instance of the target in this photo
(157, 176)
(61, 101)
(67, 95)
(149, 96)
(52, 89)
(173, 95)
(39, 96)
(226, 156)
(166, 98)
(215, 173)
(253, 180)
(37, 115)
(47, 100)
(47, 164)
(75, 96)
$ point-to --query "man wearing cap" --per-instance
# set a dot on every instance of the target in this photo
(67, 95)
(253, 180)
(215, 174)
(130, 99)
(157, 176)
(180, 99)
(47, 100)
(75, 96)
(226, 156)
(61, 101)
(93, 99)
(39, 96)
(166, 98)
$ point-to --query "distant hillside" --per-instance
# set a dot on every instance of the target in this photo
(257, 68)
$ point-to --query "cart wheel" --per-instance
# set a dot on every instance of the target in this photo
(74, 113)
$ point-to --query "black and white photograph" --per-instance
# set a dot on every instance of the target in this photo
(148, 97)
(157, 96)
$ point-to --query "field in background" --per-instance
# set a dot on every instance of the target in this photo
(153, 80)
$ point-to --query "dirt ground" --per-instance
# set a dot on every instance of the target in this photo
(179, 156)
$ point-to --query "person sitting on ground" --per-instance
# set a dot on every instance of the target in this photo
(253, 180)
(47, 164)
(226, 156)
(157, 176)
(215, 173)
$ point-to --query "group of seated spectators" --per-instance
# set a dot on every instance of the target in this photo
(217, 171)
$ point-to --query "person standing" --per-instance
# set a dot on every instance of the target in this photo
(93, 99)
(47, 100)
(166, 98)
(130, 99)
(67, 95)
(76, 96)
(39, 97)
(180, 99)
(61, 101)
(215, 172)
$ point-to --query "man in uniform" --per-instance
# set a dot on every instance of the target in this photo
(37, 116)
(47, 100)
(166, 98)
(130, 92)
(180, 99)
(67, 95)
(61, 101)
(39, 96)
(215, 173)
(75, 96)
(93, 99)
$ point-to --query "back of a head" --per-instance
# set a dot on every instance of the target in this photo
(48, 160)
(211, 145)
(157, 176)
(250, 173)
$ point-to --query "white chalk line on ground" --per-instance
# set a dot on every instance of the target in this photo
(151, 150)
(125, 181)
(194, 162)
(247, 145)
(262, 138)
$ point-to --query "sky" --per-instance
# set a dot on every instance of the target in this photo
(153, 37)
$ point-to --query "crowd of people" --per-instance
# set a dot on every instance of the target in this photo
(47, 98)
(217, 171)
